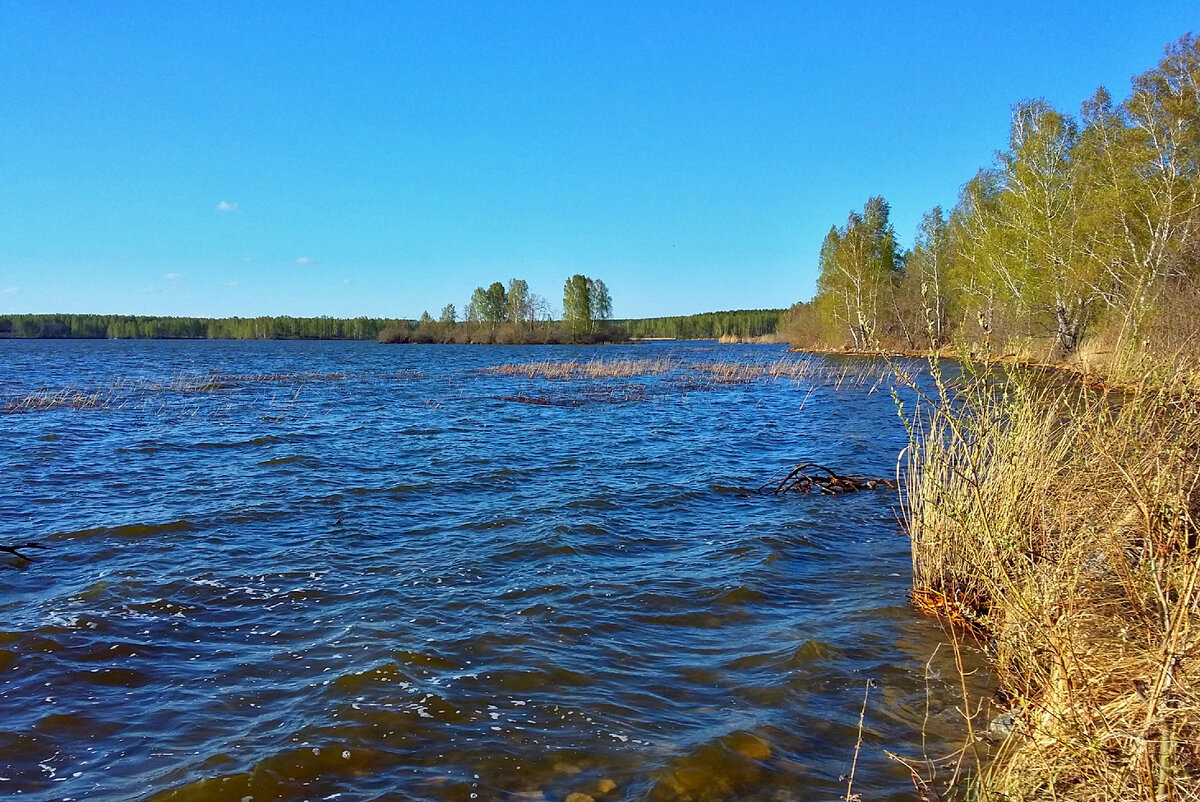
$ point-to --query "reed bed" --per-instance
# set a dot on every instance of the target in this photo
(804, 370)
(800, 371)
(45, 400)
(594, 369)
(1058, 524)
(125, 393)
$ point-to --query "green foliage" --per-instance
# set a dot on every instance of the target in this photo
(577, 305)
(1078, 224)
(235, 328)
(488, 306)
(519, 302)
(859, 265)
(514, 315)
(924, 295)
(741, 323)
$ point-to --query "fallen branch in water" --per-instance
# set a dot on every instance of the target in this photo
(809, 476)
(15, 549)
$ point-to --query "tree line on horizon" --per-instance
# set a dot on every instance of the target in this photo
(739, 324)
(1082, 225)
(145, 327)
(736, 324)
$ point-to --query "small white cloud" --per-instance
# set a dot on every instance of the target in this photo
(11, 290)
(304, 260)
(173, 276)
(233, 283)
(226, 206)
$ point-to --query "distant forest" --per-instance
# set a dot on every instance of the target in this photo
(710, 325)
(131, 327)
(740, 323)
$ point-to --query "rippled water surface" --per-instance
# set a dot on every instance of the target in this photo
(307, 570)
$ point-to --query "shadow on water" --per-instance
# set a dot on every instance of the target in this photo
(303, 587)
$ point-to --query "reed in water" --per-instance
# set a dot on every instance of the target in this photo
(1059, 523)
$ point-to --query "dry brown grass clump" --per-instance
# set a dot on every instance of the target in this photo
(805, 370)
(594, 369)
(138, 394)
(1064, 524)
(856, 374)
(45, 400)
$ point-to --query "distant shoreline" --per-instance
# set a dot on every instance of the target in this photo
(728, 326)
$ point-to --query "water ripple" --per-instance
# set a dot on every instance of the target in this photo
(391, 584)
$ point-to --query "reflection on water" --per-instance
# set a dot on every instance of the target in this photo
(299, 570)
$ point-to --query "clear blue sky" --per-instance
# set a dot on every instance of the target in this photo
(244, 158)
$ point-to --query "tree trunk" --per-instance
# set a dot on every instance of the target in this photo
(1069, 327)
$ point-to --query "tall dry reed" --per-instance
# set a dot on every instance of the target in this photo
(1060, 524)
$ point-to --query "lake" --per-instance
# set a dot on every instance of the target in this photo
(340, 570)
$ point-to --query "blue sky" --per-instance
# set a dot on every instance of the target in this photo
(386, 158)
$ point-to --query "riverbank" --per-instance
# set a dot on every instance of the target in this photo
(1057, 522)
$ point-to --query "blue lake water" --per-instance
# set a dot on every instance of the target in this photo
(316, 570)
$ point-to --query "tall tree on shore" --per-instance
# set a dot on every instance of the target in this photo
(519, 306)
(1139, 161)
(577, 305)
(495, 309)
(488, 306)
(600, 301)
(858, 268)
(921, 297)
(928, 267)
(1024, 230)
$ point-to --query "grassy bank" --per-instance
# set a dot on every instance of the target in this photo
(1058, 522)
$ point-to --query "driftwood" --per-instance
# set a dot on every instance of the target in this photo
(15, 550)
(808, 477)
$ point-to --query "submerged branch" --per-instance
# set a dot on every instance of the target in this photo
(15, 549)
(807, 477)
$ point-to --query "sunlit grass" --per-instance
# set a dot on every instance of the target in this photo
(1060, 523)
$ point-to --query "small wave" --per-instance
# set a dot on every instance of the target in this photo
(496, 523)
(129, 530)
(812, 650)
(519, 552)
(738, 596)
(723, 769)
(593, 504)
(302, 460)
(264, 440)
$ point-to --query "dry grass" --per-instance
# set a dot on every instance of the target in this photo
(595, 369)
(46, 400)
(1061, 524)
(126, 394)
(857, 373)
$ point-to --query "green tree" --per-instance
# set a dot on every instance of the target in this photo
(577, 305)
(1138, 164)
(927, 268)
(449, 315)
(495, 309)
(519, 302)
(858, 267)
(476, 306)
(599, 301)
